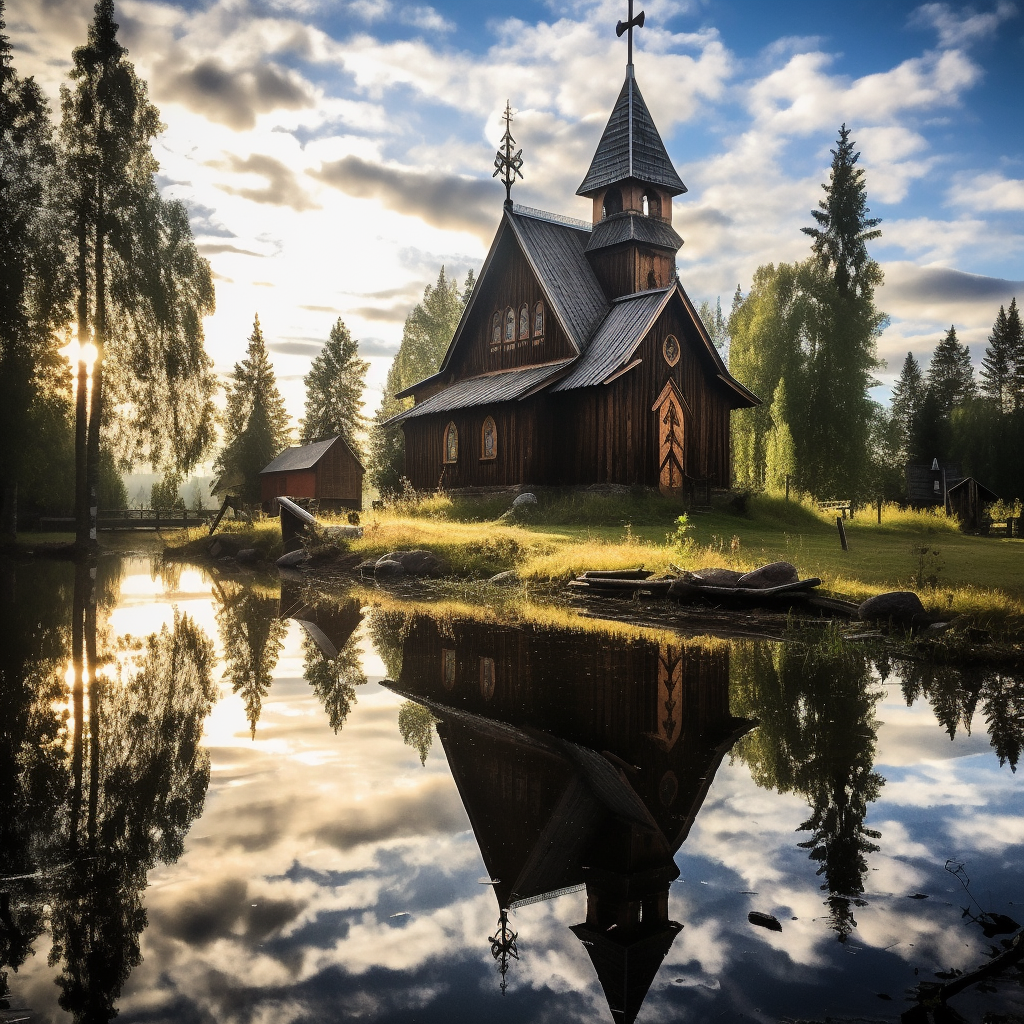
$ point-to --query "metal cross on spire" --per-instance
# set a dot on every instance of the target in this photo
(628, 26)
(507, 163)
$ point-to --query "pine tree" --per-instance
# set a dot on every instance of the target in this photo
(950, 377)
(256, 424)
(1015, 347)
(334, 391)
(997, 365)
(840, 240)
(907, 396)
(840, 329)
(428, 332)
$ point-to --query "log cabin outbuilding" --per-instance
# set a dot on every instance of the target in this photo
(580, 358)
(327, 471)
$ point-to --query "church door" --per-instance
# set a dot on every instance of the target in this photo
(671, 458)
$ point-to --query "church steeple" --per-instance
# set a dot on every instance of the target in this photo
(631, 182)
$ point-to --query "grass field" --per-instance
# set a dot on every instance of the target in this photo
(564, 535)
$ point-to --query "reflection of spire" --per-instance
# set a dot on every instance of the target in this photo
(503, 947)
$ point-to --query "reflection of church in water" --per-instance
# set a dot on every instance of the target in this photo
(582, 761)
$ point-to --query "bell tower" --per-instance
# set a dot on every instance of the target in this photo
(631, 182)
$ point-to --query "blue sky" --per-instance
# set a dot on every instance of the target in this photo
(335, 153)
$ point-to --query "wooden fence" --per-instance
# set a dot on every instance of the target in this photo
(133, 519)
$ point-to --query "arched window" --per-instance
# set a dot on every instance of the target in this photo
(653, 205)
(510, 324)
(524, 322)
(488, 440)
(613, 201)
(496, 328)
(645, 206)
(451, 443)
(538, 319)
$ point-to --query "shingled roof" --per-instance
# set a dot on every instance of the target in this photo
(631, 147)
(505, 386)
(303, 456)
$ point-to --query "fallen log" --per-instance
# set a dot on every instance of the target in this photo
(615, 574)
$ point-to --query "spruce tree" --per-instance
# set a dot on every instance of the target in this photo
(714, 323)
(256, 424)
(334, 391)
(1015, 348)
(832, 430)
(997, 365)
(428, 332)
(907, 396)
(950, 377)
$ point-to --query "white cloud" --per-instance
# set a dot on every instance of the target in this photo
(961, 28)
(988, 192)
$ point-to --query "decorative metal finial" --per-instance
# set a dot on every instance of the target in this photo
(507, 163)
(503, 947)
(627, 26)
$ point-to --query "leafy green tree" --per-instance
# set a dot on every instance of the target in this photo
(165, 496)
(780, 453)
(138, 275)
(714, 322)
(428, 332)
(765, 330)
(31, 298)
(334, 391)
(950, 377)
(256, 424)
(416, 724)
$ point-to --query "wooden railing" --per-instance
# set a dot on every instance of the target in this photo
(133, 519)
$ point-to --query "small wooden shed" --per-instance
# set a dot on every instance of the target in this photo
(967, 499)
(327, 471)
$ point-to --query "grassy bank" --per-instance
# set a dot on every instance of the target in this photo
(562, 536)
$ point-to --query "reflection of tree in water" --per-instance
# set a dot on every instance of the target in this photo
(100, 783)
(152, 781)
(955, 694)
(416, 724)
(252, 637)
(334, 680)
(388, 631)
(817, 738)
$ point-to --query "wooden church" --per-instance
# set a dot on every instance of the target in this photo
(580, 359)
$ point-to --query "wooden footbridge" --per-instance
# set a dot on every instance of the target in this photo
(134, 519)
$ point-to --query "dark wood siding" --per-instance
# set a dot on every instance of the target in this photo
(299, 483)
(336, 479)
(625, 271)
(510, 282)
(608, 433)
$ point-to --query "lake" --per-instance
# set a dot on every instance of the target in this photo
(271, 805)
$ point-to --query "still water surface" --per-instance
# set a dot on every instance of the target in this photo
(280, 809)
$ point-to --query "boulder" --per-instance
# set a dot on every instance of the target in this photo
(526, 498)
(292, 559)
(899, 605)
(415, 563)
(509, 578)
(774, 574)
(716, 577)
(388, 568)
(225, 546)
(248, 555)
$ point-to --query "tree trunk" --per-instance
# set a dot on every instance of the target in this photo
(78, 698)
(96, 396)
(95, 701)
(81, 460)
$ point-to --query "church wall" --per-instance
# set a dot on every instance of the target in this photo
(628, 270)
(610, 431)
(519, 456)
(510, 282)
